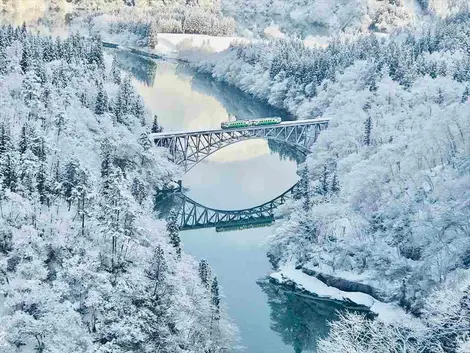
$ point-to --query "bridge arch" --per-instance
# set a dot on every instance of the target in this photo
(191, 147)
(192, 164)
(193, 215)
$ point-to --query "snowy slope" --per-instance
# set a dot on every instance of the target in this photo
(318, 17)
(85, 266)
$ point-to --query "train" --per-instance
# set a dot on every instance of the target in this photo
(248, 123)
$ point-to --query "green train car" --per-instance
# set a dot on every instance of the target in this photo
(248, 123)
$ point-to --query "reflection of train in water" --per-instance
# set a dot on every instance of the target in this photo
(267, 222)
(248, 123)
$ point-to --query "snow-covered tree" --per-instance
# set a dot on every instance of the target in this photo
(156, 127)
(101, 105)
(173, 231)
(204, 273)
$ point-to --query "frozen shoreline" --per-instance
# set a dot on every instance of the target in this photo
(169, 44)
(387, 312)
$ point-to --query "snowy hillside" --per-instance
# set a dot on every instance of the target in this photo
(84, 264)
(386, 190)
(318, 17)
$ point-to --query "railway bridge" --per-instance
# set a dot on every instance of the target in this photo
(188, 148)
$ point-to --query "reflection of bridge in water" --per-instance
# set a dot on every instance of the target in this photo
(193, 215)
(188, 148)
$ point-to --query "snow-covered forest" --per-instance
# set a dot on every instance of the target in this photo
(131, 25)
(85, 266)
(383, 206)
(313, 17)
(386, 190)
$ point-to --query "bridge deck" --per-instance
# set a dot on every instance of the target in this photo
(167, 134)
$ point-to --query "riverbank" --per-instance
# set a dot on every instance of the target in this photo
(169, 44)
(299, 280)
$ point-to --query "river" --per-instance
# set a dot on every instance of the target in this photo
(270, 318)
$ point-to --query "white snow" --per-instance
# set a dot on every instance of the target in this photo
(273, 32)
(387, 312)
(170, 43)
(317, 41)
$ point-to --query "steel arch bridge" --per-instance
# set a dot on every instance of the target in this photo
(188, 148)
(193, 215)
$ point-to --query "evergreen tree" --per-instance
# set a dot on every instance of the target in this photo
(440, 97)
(126, 92)
(31, 88)
(3, 39)
(156, 128)
(59, 53)
(68, 51)
(41, 184)
(465, 95)
(40, 71)
(38, 147)
(106, 160)
(138, 190)
(82, 197)
(371, 78)
(46, 96)
(101, 105)
(157, 322)
(48, 53)
(124, 103)
(368, 131)
(60, 122)
(324, 181)
(156, 271)
(70, 181)
(173, 232)
(303, 186)
(95, 56)
(144, 141)
(106, 166)
(118, 110)
(3, 61)
(335, 184)
(215, 299)
(23, 144)
(24, 30)
(307, 203)
(25, 61)
(5, 140)
(9, 174)
(152, 36)
(139, 110)
(115, 72)
(204, 273)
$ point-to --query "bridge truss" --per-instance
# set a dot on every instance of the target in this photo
(189, 148)
(193, 215)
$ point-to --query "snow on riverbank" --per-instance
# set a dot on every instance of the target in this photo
(170, 43)
(387, 312)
